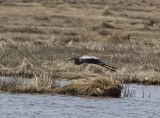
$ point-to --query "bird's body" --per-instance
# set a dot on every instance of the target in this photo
(91, 60)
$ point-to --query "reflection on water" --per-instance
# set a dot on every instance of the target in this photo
(145, 104)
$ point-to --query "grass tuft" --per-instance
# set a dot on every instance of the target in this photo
(91, 87)
(107, 25)
(106, 11)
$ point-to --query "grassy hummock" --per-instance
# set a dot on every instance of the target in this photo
(91, 87)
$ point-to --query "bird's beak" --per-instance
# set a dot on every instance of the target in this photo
(67, 59)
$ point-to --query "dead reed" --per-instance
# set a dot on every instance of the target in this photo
(136, 63)
(127, 92)
(42, 83)
(91, 87)
(106, 11)
(24, 70)
(124, 36)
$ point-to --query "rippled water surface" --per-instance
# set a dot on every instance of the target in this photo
(145, 104)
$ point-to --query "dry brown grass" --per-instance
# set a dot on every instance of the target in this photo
(24, 70)
(91, 87)
(44, 34)
(40, 84)
(135, 62)
(106, 11)
(44, 83)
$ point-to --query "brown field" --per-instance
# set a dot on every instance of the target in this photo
(36, 35)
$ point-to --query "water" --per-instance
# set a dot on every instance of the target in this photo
(145, 104)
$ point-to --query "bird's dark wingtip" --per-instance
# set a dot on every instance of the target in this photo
(113, 70)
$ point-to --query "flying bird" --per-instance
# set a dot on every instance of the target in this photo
(91, 60)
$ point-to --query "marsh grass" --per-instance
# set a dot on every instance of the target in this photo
(107, 25)
(25, 69)
(136, 63)
(127, 92)
(43, 83)
(40, 84)
(91, 87)
(104, 32)
(45, 38)
(106, 11)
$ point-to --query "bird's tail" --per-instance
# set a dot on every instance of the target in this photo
(111, 68)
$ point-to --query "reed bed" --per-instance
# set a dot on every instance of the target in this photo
(40, 84)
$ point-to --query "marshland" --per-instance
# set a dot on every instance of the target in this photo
(37, 35)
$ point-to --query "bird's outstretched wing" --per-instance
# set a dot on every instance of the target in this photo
(85, 57)
(111, 68)
(97, 60)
